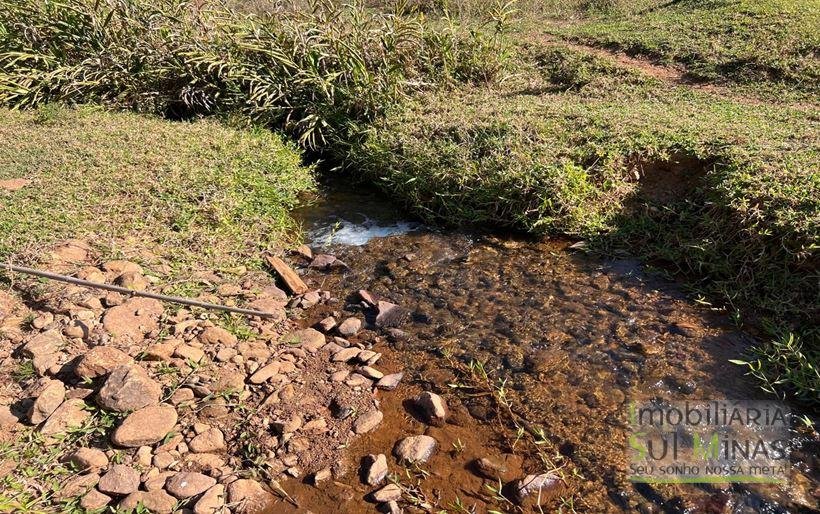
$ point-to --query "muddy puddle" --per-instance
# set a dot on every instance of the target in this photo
(572, 339)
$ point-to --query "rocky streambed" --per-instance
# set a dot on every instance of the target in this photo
(404, 369)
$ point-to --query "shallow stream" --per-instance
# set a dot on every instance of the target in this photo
(575, 339)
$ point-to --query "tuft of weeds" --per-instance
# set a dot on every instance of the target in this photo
(25, 371)
(787, 366)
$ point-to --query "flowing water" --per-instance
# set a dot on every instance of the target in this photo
(575, 339)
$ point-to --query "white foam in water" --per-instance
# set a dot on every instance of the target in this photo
(345, 232)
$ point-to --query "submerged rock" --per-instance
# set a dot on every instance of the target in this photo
(367, 421)
(389, 314)
(415, 449)
(536, 489)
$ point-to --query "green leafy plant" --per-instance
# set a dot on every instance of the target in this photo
(786, 367)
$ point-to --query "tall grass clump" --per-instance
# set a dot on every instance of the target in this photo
(314, 73)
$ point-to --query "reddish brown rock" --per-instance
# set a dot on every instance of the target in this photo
(99, 361)
(45, 343)
(119, 480)
(133, 319)
(211, 440)
(249, 496)
(187, 484)
(212, 501)
(132, 280)
(14, 184)
(118, 267)
(145, 426)
(157, 502)
(70, 414)
(84, 459)
(71, 252)
(309, 339)
(94, 500)
(50, 397)
(213, 336)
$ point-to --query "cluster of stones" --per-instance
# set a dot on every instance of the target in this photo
(175, 440)
(98, 349)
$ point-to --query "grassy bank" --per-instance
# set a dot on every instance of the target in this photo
(199, 194)
(755, 43)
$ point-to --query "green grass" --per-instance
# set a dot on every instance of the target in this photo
(751, 42)
(199, 194)
(307, 72)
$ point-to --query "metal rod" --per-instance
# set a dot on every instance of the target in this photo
(132, 292)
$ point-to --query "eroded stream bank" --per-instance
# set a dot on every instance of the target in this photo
(573, 339)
